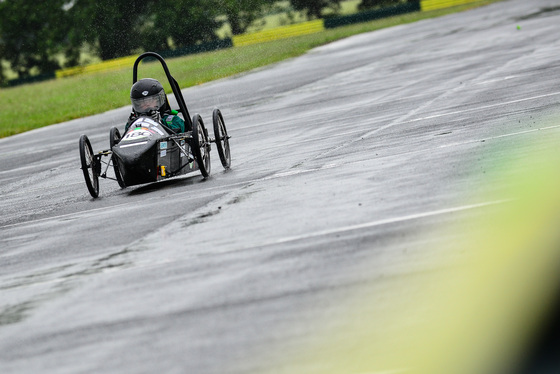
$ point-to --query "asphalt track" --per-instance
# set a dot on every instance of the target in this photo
(346, 162)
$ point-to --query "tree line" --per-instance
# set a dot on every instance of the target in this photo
(42, 36)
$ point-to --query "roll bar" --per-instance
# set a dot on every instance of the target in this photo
(172, 82)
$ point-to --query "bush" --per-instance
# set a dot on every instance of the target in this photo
(370, 4)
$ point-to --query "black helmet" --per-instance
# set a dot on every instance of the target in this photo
(147, 95)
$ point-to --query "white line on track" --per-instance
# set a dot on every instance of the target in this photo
(483, 107)
(381, 222)
(498, 136)
(406, 117)
(478, 108)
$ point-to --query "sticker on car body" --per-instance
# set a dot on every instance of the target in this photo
(148, 123)
(136, 134)
(131, 145)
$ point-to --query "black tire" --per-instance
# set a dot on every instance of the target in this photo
(89, 167)
(201, 146)
(114, 139)
(222, 139)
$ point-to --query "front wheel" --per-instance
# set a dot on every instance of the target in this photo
(89, 166)
(114, 139)
(222, 138)
(201, 146)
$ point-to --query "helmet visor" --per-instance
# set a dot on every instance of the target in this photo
(149, 103)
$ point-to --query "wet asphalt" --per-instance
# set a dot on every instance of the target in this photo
(347, 165)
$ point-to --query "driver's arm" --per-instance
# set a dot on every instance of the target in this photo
(173, 121)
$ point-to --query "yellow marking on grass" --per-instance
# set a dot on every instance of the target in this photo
(107, 65)
(440, 4)
(289, 31)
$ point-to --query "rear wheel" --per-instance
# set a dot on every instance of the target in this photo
(114, 139)
(89, 166)
(222, 138)
(201, 146)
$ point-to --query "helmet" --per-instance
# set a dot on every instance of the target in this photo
(147, 95)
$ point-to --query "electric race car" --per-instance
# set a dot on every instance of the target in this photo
(150, 151)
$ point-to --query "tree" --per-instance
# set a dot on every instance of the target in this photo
(122, 27)
(32, 34)
(242, 13)
(111, 26)
(178, 23)
(314, 8)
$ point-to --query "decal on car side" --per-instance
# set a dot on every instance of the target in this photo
(158, 130)
(148, 124)
(136, 134)
(131, 145)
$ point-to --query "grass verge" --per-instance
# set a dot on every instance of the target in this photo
(28, 107)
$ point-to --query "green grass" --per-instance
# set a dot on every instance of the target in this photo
(36, 105)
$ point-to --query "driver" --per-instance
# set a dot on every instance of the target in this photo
(149, 99)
